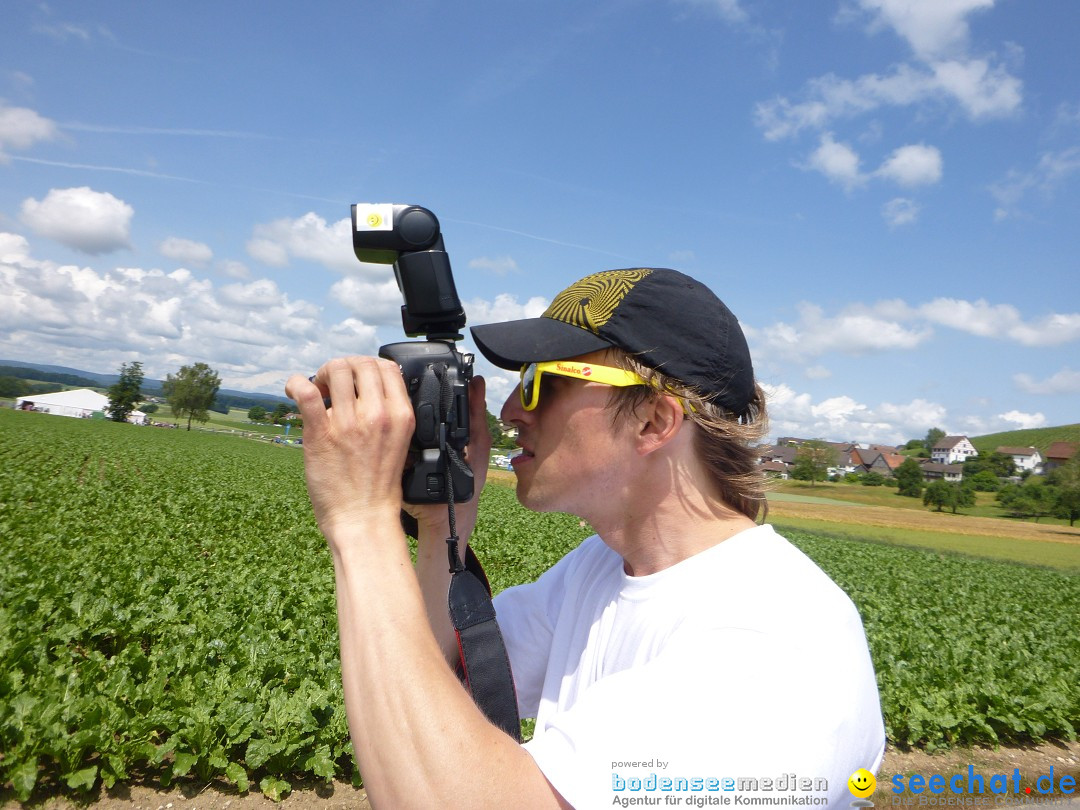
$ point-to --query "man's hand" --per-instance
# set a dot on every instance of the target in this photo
(432, 519)
(354, 451)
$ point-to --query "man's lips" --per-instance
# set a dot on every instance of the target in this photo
(522, 457)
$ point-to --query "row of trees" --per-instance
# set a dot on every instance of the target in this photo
(190, 392)
(1055, 495)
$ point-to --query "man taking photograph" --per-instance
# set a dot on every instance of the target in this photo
(683, 642)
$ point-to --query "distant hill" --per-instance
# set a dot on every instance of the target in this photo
(60, 377)
(63, 375)
(1039, 438)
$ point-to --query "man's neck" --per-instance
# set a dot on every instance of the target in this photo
(658, 528)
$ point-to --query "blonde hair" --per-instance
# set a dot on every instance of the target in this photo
(725, 441)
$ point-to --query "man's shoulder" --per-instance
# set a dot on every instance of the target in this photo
(760, 574)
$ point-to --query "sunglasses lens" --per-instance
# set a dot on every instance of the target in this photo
(528, 383)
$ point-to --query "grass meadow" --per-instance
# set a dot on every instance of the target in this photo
(167, 609)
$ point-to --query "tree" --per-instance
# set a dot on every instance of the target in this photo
(13, 387)
(191, 392)
(984, 481)
(1066, 482)
(949, 493)
(812, 461)
(124, 395)
(1034, 498)
(281, 410)
(909, 478)
(919, 448)
(933, 436)
(256, 413)
(1000, 464)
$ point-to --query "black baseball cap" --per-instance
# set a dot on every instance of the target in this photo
(663, 318)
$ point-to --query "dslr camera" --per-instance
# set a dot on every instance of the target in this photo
(436, 374)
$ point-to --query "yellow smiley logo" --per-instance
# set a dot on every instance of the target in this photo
(862, 783)
(374, 220)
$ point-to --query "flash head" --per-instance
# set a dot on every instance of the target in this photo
(408, 237)
(382, 232)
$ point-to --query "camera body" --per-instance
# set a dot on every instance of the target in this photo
(436, 374)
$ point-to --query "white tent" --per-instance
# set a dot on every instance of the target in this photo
(82, 403)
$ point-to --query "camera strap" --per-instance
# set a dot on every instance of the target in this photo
(484, 666)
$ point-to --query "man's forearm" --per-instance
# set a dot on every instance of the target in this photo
(433, 574)
(419, 738)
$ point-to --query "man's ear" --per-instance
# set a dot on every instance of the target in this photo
(659, 421)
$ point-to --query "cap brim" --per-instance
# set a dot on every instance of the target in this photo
(512, 344)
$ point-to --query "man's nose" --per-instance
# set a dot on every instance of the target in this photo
(511, 409)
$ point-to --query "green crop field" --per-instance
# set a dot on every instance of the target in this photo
(167, 611)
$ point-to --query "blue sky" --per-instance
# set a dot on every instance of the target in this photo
(885, 192)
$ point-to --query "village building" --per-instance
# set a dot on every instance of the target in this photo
(1058, 454)
(81, 403)
(953, 450)
(935, 471)
(1025, 458)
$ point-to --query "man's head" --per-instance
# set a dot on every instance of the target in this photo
(662, 318)
(681, 341)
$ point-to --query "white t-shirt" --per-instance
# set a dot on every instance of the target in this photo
(744, 662)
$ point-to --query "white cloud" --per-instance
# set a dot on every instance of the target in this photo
(837, 161)
(309, 238)
(253, 333)
(856, 330)
(900, 211)
(933, 28)
(909, 166)
(186, 251)
(91, 221)
(944, 72)
(1065, 381)
(505, 307)
(21, 128)
(730, 10)
(982, 90)
(1002, 321)
(499, 265)
(817, 373)
(234, 269)
(1052, 170)
(13, 248)
(1023, 421)
(842, 418)
(377, 302)
(913, 165)
(893, 325)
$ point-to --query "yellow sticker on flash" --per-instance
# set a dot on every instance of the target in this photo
(374, 217)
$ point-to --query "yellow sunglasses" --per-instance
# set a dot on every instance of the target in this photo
(532, 372)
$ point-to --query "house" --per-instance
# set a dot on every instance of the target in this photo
(885, 463)
(845, 461)
(953, 450)
(779, 455)
(776, 469)
(935, 471)
(80, 403)
(1059, 453)
(1025, 458)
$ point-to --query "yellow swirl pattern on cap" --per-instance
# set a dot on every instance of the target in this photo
(590, 302)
